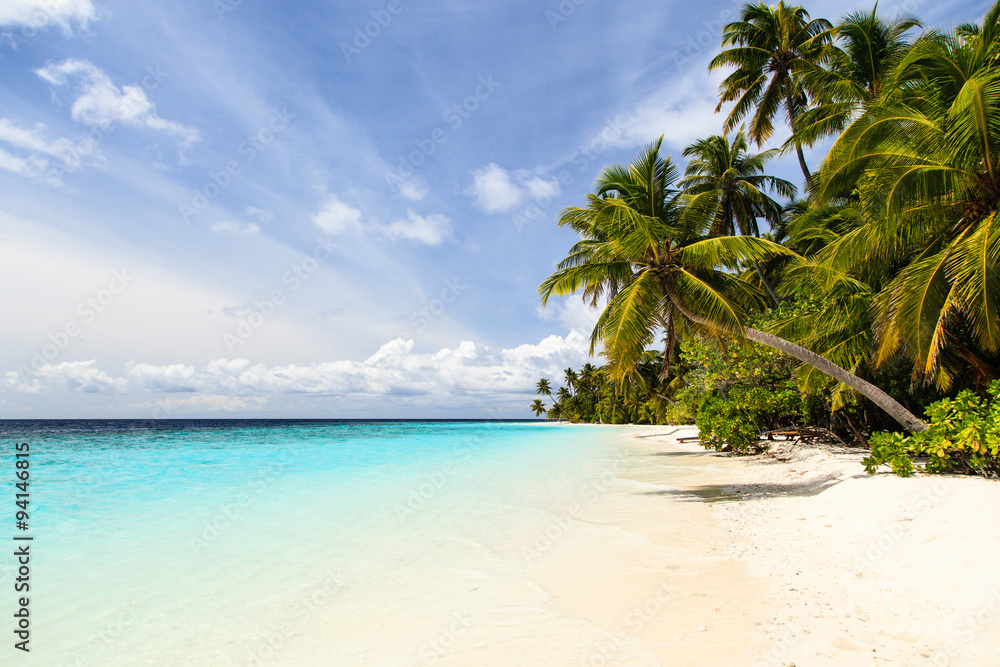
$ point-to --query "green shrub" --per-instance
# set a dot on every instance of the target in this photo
(963, 436)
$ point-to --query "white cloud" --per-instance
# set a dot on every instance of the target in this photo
(682, 111)
(36, 152)
(412, 191)
(236, 227)
(494, 190)
(77, 376)
(265, 215)
(37, 14)
(497, 191)
(336, 217)
(395, 369)
(431, 229)
(102, 103)
(573, 313)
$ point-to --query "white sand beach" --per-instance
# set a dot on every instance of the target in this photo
(838, 567)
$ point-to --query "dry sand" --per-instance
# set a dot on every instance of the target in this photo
(853, 569)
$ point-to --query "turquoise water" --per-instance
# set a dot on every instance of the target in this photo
(234, 542)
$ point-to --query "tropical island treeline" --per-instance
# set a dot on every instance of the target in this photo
(865, 301)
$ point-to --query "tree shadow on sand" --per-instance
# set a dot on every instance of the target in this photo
(717, 493)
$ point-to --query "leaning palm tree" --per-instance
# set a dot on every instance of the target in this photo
(772, 49)
(679, 276)
(538, 408)
(543, 388)
(729, 171)
(926, 166)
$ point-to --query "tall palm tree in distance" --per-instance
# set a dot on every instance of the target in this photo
(543, 388)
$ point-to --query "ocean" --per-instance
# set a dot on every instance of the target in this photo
(289, 542)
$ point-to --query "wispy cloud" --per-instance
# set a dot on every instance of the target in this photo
(236, 227)
(40, 13)
(35, 151)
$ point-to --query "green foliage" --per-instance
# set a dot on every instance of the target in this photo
(741, 391)
(964, 436)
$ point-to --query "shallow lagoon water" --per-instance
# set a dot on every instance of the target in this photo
(242, 542)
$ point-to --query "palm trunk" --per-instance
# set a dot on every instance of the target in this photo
(892, 407)
(766, 283)
(798, 149)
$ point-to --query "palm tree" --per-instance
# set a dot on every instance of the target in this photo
(543, 388)
(773, 48)
(571, 378)
(538, 408)
(926, 165)
(858, 72)
(563, 394)
(676, 272)
(728, 171)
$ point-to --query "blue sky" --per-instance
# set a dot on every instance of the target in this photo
(225, 208)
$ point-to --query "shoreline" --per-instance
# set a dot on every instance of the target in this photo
(878, 569)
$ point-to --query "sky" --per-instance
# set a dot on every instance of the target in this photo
(237, 208)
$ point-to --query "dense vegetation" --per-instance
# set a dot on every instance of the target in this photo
(862, 301)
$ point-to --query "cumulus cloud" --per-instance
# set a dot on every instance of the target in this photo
(497, 191)
(37, 14)
(336, 217)
(236, 227)
(395, 369)
(431, 229)
(101, 103)
(75, 376)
